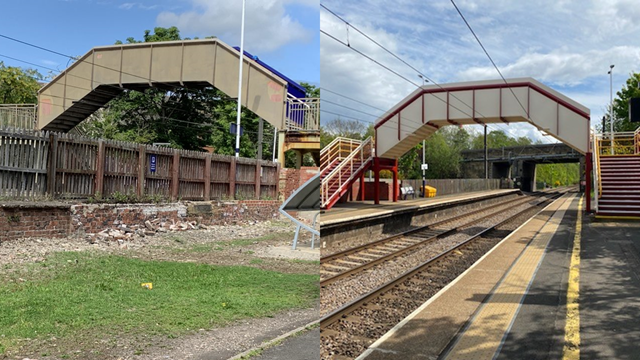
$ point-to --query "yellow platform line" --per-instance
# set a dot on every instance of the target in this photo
(483, 337)
(571, 350)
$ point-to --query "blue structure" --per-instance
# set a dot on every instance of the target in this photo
(293, 87)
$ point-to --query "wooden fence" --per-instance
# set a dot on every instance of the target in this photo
(455, 186)
(36, 164)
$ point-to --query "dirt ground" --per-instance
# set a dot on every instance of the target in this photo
(264, 245)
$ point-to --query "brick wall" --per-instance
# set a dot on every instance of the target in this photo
(292, 179)
(32, 220)
(60, 219)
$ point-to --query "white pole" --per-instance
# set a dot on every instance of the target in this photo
(611, 103)
(240, 83)
(275, 140)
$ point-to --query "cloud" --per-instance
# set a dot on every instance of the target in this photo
(559, 67)
(129, 6)
(566, 44)
(268, 25)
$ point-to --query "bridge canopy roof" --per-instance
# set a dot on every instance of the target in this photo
(430, 107)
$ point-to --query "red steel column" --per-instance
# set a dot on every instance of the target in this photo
(362, 186)
(376, 181)
(395, 180)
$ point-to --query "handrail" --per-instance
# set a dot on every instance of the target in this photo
(347, 168)
(303, 114)
(596, 167)
(338, 150)
(636, 140)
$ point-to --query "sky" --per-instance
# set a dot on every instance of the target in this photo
(282, 33)
(567, 45)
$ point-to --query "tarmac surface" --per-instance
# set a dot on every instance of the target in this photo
(305, 346)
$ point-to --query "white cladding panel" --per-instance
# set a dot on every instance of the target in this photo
(435, 106)
(487, 103)
(387, 135)
(573, 129)
(460, 105)
(411, 118)
(543, 111)
(511, 108)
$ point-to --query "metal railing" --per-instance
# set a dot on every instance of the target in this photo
(623, 143)
(18, 116)
(303, 114)
(337, 150)
(596, 169)
(344, 173)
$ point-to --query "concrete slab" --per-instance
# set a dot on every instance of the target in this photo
(365, 209)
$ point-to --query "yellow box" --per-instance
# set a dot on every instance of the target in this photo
(429, 191)
(147, 285)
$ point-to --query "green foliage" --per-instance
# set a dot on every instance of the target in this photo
(621, 106)
(18, 86)
(312, 90)
(497, 139)
(91, 296)
(564, 174)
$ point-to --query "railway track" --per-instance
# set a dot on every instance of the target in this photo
(349, 330)
(354, 260)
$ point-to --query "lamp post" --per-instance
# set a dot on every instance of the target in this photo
(240, 83)
(611, 103)
(424, 179)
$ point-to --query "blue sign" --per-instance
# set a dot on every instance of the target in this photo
(152, 162)
(232, 129)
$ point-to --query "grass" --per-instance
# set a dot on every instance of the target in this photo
(102, 295)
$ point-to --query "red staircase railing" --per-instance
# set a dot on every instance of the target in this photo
(341, 167)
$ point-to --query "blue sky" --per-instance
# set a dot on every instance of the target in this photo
(283, 33)
(566, 44)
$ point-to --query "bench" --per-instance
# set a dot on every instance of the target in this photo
(405, 191)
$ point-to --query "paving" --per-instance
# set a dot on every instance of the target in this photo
(512, 304)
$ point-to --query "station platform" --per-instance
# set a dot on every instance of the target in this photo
(563, 285)
(363, 210)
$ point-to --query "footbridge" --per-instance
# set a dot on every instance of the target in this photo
(431, 107)
(104, 72)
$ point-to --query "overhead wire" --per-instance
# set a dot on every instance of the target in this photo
(419, 72)
(413, 68)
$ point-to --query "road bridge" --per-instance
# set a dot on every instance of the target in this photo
(519, 162)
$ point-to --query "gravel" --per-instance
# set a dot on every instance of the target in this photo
(345, 290)
(350, 338)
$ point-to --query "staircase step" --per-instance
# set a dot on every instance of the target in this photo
(618, 213)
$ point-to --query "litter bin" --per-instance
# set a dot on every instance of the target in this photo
(429, 191)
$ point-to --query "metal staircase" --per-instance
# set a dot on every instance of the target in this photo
(341, 163)
(617, 174)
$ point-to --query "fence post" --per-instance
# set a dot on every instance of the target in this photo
(175, 175)
(53, 163)
(142, 164)
(277, 194)
(100, 169)
(232, 178)
(258, 178)
(207, 177)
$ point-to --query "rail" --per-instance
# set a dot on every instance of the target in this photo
(337, 150)
(303, 114)
(18, 116)
(344, 173)
(636, 140)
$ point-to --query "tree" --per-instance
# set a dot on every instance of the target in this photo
(621, 105)
(18, 86)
